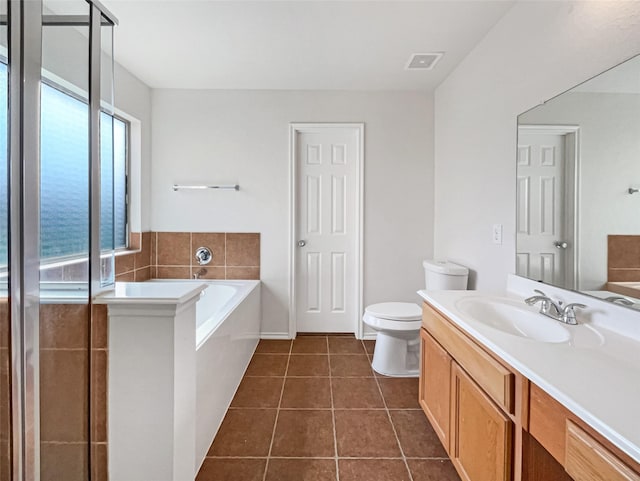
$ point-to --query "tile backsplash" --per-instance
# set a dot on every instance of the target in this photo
(171, 255)
(623, 258)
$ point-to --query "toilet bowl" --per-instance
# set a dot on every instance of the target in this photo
(397, 351)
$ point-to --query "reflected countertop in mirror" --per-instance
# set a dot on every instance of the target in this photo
(578, 187)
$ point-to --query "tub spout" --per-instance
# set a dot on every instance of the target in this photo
(200, 272)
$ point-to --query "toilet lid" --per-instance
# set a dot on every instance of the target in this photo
(397, 311)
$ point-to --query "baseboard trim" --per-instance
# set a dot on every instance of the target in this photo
(274, 335)
(369, 336)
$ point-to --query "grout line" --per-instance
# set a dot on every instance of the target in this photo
(393, 427)
(190, 255)
(333, 415)
(275, 423)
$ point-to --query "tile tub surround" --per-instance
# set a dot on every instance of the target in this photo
(313, 409)
(171, 255)
(623, 258)
(64, 387)
(5, 399)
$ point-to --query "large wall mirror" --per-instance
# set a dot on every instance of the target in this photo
(578, 188)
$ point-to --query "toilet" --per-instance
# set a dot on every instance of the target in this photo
(397, 351)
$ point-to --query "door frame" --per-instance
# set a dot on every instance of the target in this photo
(302, 127)
(572, 181)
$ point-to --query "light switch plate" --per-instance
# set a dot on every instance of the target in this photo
(497, 233)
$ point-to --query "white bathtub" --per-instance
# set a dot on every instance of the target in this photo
(227, 332)
(217, 302)
(173, 404)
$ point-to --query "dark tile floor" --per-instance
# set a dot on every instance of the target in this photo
(313, 410)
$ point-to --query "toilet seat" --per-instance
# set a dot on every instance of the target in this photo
(394, 316)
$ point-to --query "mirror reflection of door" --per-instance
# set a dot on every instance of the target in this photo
(547, 160)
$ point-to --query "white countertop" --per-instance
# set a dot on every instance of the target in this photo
(596, 378)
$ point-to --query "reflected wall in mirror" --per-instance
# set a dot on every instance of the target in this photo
(578, 182)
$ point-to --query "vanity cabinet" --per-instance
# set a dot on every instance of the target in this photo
(435, 385)
(490, 418)
(480, 445)
(585, 455)
(456, 379)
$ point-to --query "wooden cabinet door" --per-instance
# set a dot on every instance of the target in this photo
(435, 386)
(480, 432)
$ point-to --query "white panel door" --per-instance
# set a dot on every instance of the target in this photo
(542, 237)
(326, 229)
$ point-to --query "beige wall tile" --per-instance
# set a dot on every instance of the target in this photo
(243, 250)
(623, 251)
(64, 396)
(64, 326)
(173, 272)
(143, 257)
(125, 263)
(252, 273)
(154, 248)
(99, 396)
(211, 272)
(99, 326)
(143, 274)
(126, 277)
(134, 240)
(64, 462)
(174, 248)
(624, 275)
(99, 462)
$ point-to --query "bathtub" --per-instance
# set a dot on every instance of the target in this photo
(169, 392)
(227, 332)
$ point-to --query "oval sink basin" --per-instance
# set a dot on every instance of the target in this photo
(509, 316)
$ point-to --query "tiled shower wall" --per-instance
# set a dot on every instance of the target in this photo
(623, 258)
(5, 426)
(171, 255)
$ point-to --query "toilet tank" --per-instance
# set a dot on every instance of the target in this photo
(444, 275)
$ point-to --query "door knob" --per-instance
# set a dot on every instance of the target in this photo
(561, 245)
(302, 243)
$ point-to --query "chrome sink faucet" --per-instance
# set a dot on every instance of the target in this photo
(555, 310)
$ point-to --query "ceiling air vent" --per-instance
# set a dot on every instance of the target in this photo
(424, 61)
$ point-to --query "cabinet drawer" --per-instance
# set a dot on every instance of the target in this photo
(588, 460)
(492, 376)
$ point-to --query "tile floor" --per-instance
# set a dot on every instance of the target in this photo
(312, 409)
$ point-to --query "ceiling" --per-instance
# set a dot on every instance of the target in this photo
(324, 45)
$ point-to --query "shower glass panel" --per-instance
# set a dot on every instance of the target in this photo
(108, 137)
(65, 240)
(5, 397)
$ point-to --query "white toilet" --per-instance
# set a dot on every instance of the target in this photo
(397, 351)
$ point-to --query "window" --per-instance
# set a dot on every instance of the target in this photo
(64, 179)
(64, 186)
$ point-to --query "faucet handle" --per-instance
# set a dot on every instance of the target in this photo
(538, 291)
(569, 314)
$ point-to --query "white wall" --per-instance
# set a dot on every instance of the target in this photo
(66, 56)
(609, 164)
(537, 50)
(133, 98)
(217, 136)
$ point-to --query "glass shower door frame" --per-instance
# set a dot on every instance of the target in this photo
(25, 20)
